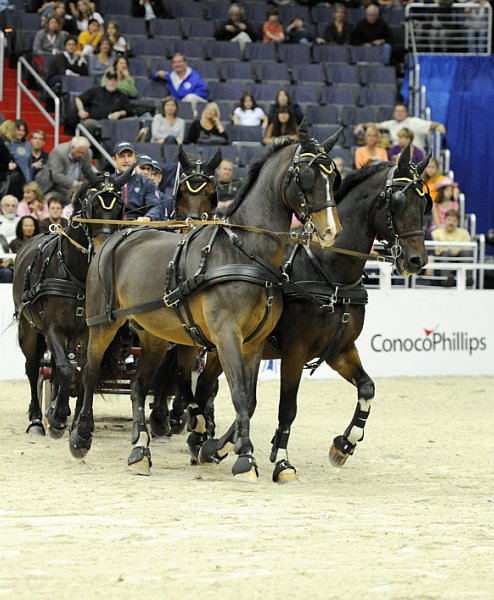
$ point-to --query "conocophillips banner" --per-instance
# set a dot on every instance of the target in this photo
(406, 332)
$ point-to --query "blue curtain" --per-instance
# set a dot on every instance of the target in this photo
(460, 92)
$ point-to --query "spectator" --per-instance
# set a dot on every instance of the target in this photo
(432, 176)
(149, 168)
(125, 81)
(445, 202)
(69, 26)
(451, 232)
(55, 207)
(149, 10)
(339, 31)
(272, 30)
(208, 129)
(117, 40)
(420, 127)
(88, 40)
(33, 202)
(284, 125)
(20, 148)
(405, 138)
(371, 151)
(248, 113)
(9, 217)
(6, 265)
(184, 84)
(341, 166)
(297, 32)
(168, 127)
(140, 195)
(84, 13)
(69, 63)
(373, 31)
(476, 25)
(236, 28)
(284, 100)
(49, 40)
(227, 186)
(102, 102)
(63, 174)
(11, 175)
(27, 228)
(38, 156)
(101, 60)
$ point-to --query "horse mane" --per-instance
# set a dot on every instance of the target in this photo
(253, 174)
(352, 180)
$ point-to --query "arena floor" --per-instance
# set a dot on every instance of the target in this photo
(410, 516)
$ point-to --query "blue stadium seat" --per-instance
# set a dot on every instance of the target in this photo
(197, 28)
(115, 7)
(309, 74)
(341, 94)
(116, 130)
(142, 47)
(377, 75)
(352, 115)
(263, 92)
(306, 94)
(191, 48)
(150, 89)
(223, 50)
(226, 91)
(330, 54)
(339, 73)
(236, 71)
(184, 8)
(319, 115)
(149, 148)
(271, 72)
(261, 52)
(77, 85)
(138, 67)
(322, 132)
(294, 54)
(132, 25)
(378, 96)
(243, 133)
(366, 54)
(170, 28)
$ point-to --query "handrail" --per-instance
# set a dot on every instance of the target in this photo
(21, 87)
(81, 130)
(2, 46)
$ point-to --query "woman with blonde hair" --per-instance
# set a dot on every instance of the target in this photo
(33, 202)
(371, 152)
(208, 129)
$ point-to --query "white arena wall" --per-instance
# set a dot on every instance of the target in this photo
(407, 332)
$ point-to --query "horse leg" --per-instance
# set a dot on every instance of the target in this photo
(349, 366)
(153, 351)
(32, 345)
(241, 372)
(59, 410)
(292, 365)
(100, 337)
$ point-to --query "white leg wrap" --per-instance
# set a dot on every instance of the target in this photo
(358, 423)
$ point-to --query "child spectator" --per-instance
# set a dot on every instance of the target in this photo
(284, 125)
(272, 30)
(248, 113)
(117, 40)
(444, 202)
(432, 176)
(405, 138)
(88, 40)
(284, 100)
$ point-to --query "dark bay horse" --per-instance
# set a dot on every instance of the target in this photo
(218, 287)
(384, 201)
(49, 294)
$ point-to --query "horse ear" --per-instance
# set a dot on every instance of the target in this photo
(404, 159)
(122, 179)
(213, 162)
(423, 163)
(89, 174)
(331, 141)
(184, 161)
(303, 135)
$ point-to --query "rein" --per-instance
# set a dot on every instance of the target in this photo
(294, 238)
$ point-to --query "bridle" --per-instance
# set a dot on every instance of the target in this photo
(394, 197)
(304, 180)
(195, 182)
(107, 196)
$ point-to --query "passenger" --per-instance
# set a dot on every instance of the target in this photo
(140, 195)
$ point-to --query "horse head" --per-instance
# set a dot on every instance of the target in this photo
(195, 191)
(406, 204)
(310, 185)
(100, 198)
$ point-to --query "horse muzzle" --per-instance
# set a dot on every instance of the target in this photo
(331, 229)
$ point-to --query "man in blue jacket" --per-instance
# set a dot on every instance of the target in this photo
(184, 84)
(141, 196)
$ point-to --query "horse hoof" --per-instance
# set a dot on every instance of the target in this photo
(36, 428)
(55, 432)
(284, 472)
(208, 453)
(159, 429)
(177, 424)
(140, 460)
(194, 442)
(78, 445)
(336, 457)
(245, 469)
